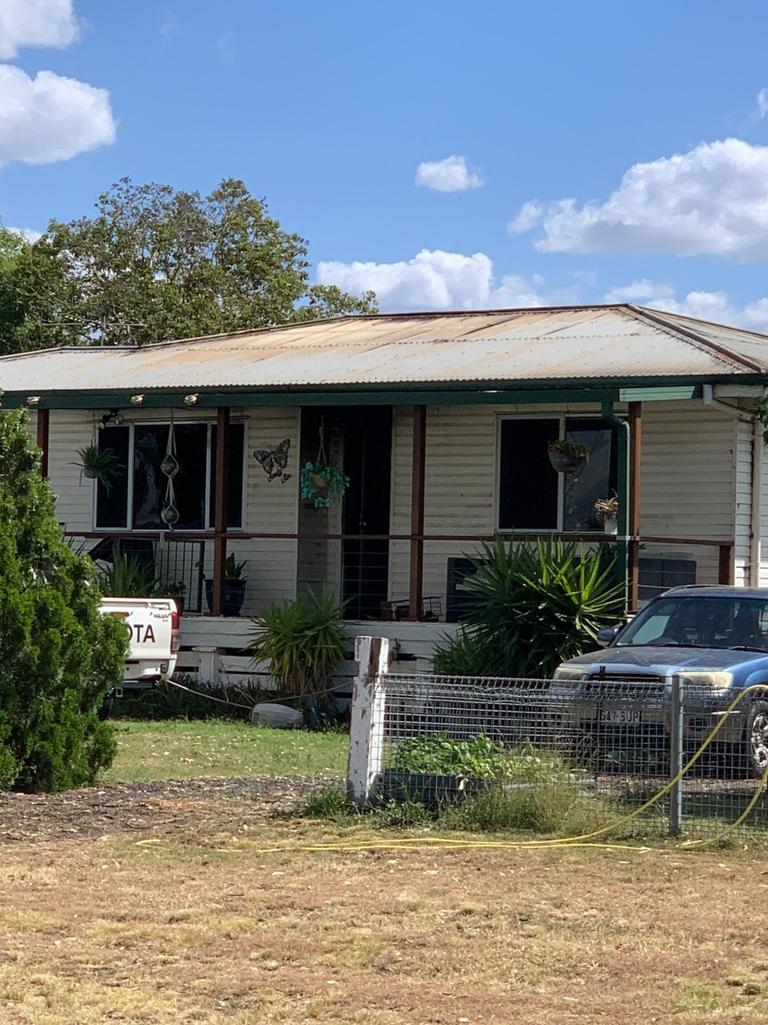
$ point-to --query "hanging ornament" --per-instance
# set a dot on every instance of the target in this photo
(169, 514)
(170, 466)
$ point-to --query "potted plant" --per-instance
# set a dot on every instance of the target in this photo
(234, 587)
(607, 512)
(322, 485)
(567, 456)
(101, 464)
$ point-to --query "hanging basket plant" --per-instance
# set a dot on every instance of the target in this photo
(567, 456)
(321, 484)
(100, 464)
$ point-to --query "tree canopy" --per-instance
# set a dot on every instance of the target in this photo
(11, 307)
(155, 263)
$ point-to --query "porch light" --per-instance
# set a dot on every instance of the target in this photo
(137, 400)
(33, 400)
(113, 417)
(191, 400)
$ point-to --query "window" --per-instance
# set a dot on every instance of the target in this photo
(532, 495)
(701, 621)
(135, 498)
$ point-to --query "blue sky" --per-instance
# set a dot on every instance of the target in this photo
(328, 110)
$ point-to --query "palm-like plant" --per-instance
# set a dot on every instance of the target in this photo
(535, 607)
(302, 641)
(126, 577)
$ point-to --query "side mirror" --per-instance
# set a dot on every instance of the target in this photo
(607, 635)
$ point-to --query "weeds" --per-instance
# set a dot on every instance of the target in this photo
(549, 808)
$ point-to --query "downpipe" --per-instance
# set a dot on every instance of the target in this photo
(623, 487)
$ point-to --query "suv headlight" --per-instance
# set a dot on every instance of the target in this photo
(719, 680)
(570, 672)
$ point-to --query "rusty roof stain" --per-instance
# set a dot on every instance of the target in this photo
(558, 344)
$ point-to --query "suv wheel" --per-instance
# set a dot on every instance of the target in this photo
(757, 738)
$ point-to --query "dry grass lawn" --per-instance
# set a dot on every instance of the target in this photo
(176, 927)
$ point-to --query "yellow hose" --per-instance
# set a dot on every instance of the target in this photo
(585, 840)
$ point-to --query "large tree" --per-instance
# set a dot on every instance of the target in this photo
(11, 306)
(156, 263)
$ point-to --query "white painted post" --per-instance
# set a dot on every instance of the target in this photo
(208, 665)
(366, 736)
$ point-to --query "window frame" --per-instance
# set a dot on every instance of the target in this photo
(562, 418)
(209, 425)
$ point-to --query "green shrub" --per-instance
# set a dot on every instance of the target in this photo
(535, 607)
(329, 803)
(441, 755)
(402, 814)
(480, 757)
(303, 641)
(560, 808)
(58, 655)
(126, 577)
(168, 702)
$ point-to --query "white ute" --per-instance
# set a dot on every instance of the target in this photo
(153, 626)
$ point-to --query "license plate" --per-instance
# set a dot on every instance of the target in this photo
(620, 716)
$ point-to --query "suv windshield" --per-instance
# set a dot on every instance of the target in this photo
(705, 622)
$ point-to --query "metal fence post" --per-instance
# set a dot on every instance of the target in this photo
(366, 737)
(676, 756)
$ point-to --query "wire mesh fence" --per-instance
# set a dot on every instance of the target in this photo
(645, 755)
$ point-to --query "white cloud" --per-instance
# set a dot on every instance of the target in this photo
(715, 306)
(50, 118)
(30, 234)
(449, 175)
(35, 23)
(437, 280)
(431, 280)
(762, 103)
(713, 199)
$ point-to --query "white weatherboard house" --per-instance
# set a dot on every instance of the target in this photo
(442, 424)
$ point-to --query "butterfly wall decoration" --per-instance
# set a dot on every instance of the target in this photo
(275, 461)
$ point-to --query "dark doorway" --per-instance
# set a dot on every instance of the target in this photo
(360, 440)
(367, 443)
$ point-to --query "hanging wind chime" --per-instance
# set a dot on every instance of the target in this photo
(170, 466)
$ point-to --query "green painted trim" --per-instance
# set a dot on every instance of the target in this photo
(442, 393)
(674, 392)
(622, 486)
(208, 400)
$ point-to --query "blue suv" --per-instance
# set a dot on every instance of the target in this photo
(714, 638)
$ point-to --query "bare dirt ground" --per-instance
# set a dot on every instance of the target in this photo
(151, 904)
(148, 807)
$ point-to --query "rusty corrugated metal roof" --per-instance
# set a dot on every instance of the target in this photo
(594, 343)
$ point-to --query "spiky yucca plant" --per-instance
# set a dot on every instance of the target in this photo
(535, 606)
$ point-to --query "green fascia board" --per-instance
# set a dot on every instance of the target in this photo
(671, 394)
(212, 399)
(456, 393)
